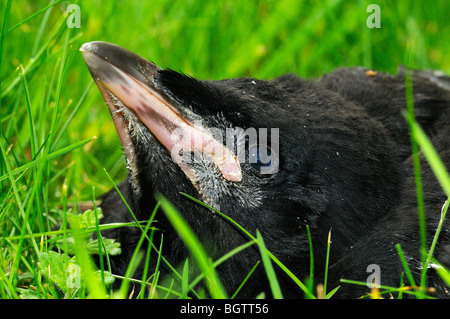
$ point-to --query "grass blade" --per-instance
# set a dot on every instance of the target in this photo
(187, 235)
(408, 272)
(291, 275)
(245, 279)
(221, 260)
(430, 154)
(50, 156)
(185, 280)
(273, 281)
(417, 174)
(2, 53)
(31, 17)
(326, 264)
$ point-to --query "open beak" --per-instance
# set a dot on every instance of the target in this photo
(124, 76)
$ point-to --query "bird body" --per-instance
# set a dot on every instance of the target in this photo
(278, 156)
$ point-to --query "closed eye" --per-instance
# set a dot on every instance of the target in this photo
(260, 156)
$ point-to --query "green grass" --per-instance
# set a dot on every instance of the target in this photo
(57, 139)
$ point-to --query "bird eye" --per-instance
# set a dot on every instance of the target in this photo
(260, 157)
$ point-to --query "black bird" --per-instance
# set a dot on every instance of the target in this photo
(333, 154)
